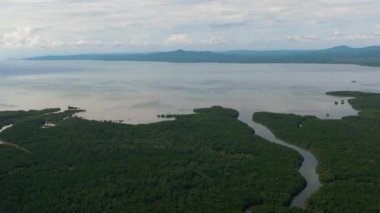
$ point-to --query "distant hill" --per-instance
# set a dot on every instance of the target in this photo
(369, 56)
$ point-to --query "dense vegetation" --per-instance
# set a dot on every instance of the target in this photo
(369, 56)
(9, 117)
(205, 162)
(347, 149)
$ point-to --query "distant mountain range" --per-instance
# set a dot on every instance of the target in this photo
(368, 56)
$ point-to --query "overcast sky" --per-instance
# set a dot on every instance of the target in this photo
(30, 27)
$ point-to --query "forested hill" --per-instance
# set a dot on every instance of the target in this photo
(369, 56)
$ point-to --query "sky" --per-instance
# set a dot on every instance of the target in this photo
(35, 27)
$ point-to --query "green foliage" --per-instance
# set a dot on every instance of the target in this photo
(204, 162)
(8, 117)
(218, 110)
(347, 149)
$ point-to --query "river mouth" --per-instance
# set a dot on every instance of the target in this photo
(308, 168)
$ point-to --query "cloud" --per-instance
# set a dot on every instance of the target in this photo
(19, 38)
(302, 38)
(358, 37)
(138, 40)
(229, 24)
(117, 44)
(55, 44)
(177, 39)
(336, 34)
(276, 9)
(215, 40)
(77, 43)
(376, 33)
(347, 1)
(146, 24)
(292, 38)
(310, 37)
(83, 42)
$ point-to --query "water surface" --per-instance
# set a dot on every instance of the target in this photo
(137, 91)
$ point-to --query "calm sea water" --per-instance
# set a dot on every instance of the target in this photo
(137, 91)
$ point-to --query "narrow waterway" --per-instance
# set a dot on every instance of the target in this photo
(3, 129)
(11, 144)
(307, 168)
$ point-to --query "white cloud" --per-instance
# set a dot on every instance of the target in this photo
(340, 36)
(336, 34)
(376, 33)
(292, 38)
(310, 37)
(77, 43)
(19, 38)
(302, 38)
(83, 42)
(346, 1)
(55, 44)
(117, 44)
(276, 9)
(215, 40)
(138, 40)
(80, 43)
(178, 39)
(358, 37)
(146, 24)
